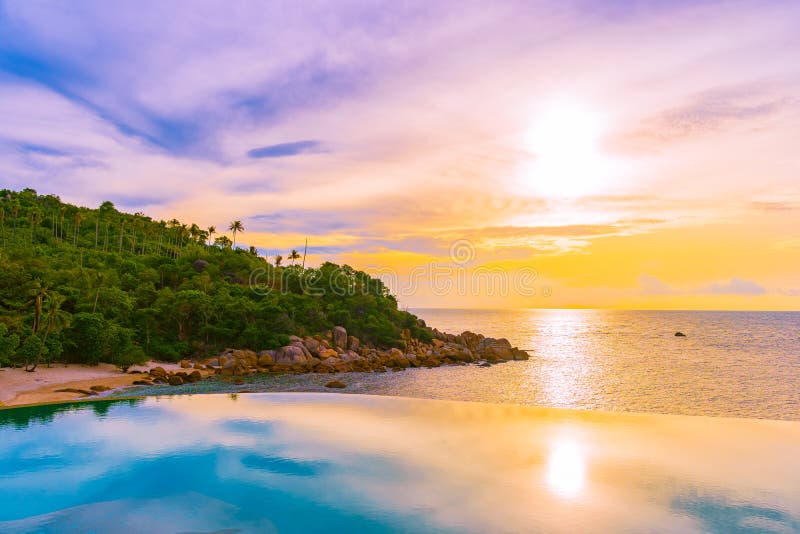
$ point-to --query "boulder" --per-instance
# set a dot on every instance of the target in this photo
(457, 352)
(680, 334)
(245, 356)
(471, 340)
(175, 380)
(353, 343)
(334, 365)
(336, 384)
(495, 349)
(350, 356)
(312, 345)
(100, 388)
(520, 354)
(339, 337)
(158, 372)
(186, 364)
(266, 357)
(142, 383)
(327, 353)
(291, 355)
(194, 376)
(299, 344)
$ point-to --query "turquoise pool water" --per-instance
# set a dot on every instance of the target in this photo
(352, 463)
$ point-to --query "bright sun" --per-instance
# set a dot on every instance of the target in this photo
(567, 161)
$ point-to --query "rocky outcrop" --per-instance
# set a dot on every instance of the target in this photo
(337, 352)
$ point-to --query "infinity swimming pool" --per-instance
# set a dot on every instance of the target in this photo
(353, 463)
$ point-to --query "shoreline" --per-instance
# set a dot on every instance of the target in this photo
(20, 388)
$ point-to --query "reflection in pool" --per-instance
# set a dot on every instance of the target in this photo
(313, 462)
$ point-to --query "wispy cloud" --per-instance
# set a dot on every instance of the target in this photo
(285, 149)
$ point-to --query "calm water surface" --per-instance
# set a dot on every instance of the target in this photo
(743, 364)
(352, 463)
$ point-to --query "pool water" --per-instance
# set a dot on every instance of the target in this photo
(353, 463)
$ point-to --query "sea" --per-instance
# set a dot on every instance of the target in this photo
(730, 363)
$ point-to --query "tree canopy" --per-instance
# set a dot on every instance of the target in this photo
(99, 285)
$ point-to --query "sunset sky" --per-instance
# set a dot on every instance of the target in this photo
(630, 154)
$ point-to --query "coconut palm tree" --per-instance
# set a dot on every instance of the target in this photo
(278, 260)
(294, 255)
(194, 231)
(55, 319)
(78, 219)
(35, 216)
(14, 213)
(236, 226)
(211, 231)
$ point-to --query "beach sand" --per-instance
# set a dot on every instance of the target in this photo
(19, 387)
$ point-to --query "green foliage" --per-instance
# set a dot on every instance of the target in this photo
(8, 346)
(116, 287)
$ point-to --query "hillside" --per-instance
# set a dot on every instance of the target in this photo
(98, 285)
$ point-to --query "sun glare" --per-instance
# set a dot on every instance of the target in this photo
(564, 141)
(566, 469)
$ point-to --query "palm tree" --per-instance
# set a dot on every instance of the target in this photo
(211, 231)
(15, 212)
(78, 218)
(294, 255)
(278, 260)
(34, 216)
(194, 231)
(121, 234)
(55, 319)
(236, 226)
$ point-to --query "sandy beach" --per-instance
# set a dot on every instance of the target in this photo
(18, 387)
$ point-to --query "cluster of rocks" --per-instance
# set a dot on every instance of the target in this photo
(338, 352)
(159, 375)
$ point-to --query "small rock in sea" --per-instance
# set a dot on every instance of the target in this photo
(680, 334)
(142, 383)
(175, 380)
(100, 388)
(238, 381)
(336, 384)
